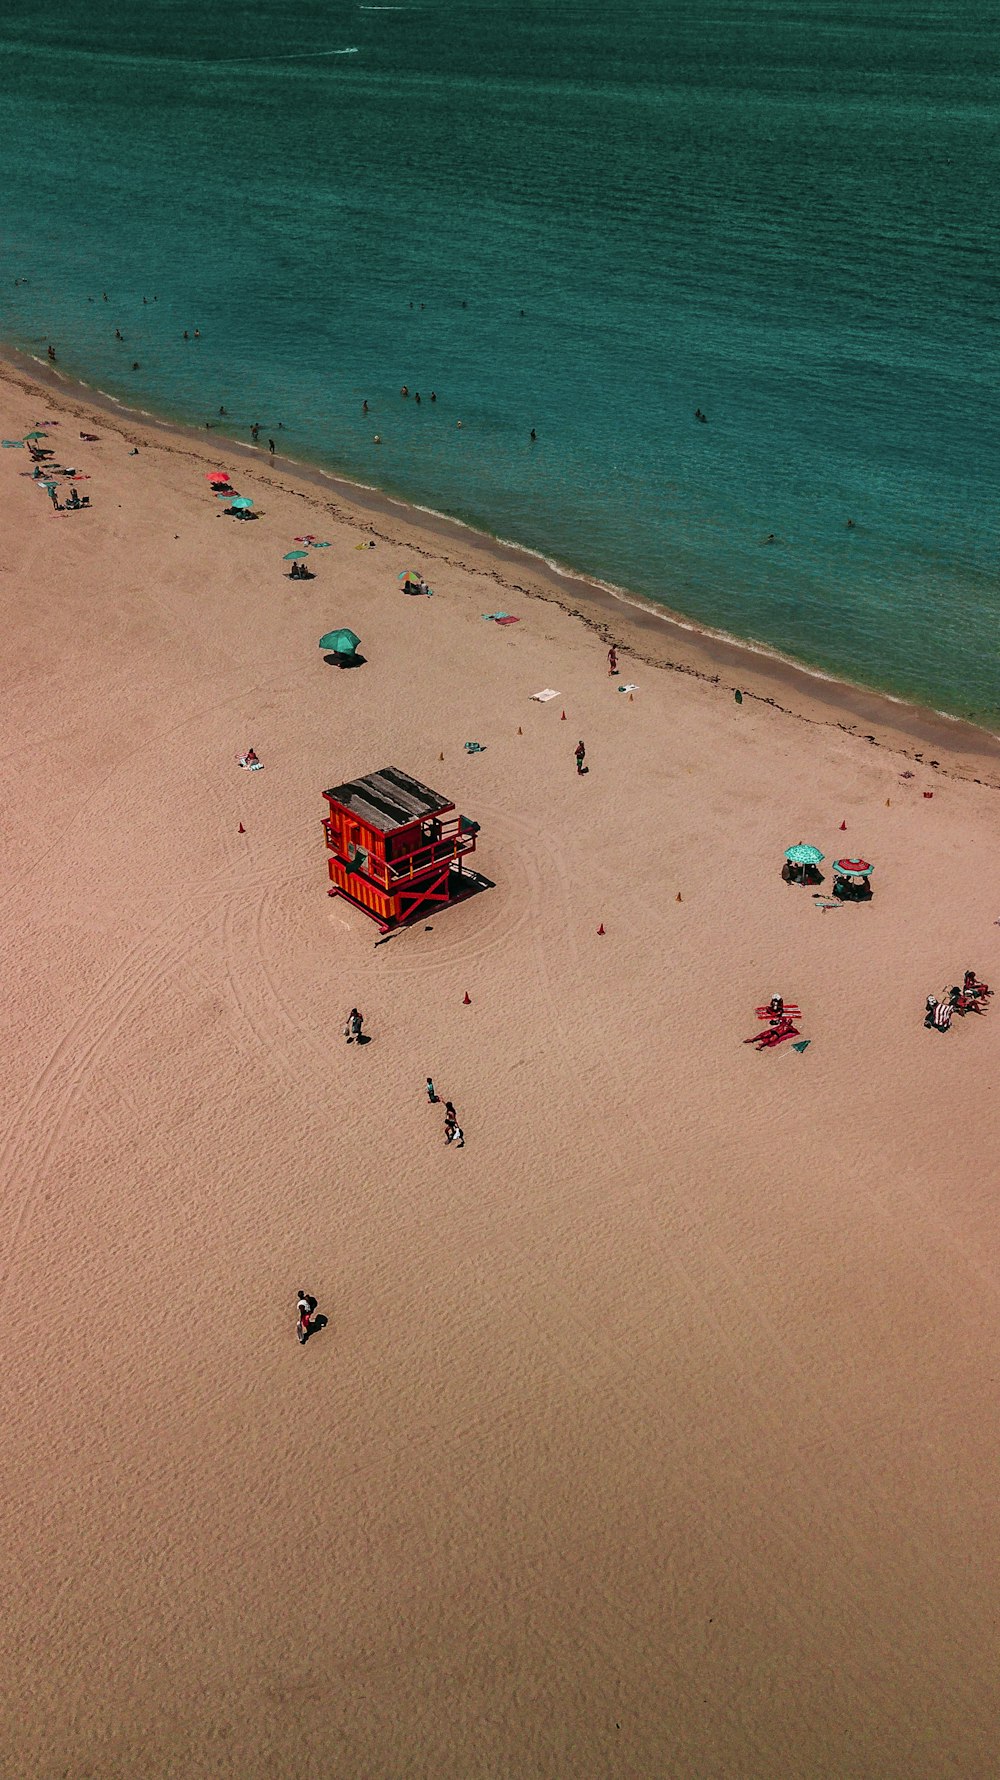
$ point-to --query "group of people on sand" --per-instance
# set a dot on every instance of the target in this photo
(971, 998)
(453, 1132)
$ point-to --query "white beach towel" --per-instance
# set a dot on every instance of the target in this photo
(544, 696)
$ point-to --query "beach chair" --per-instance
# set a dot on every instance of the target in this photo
(773, 1035)
(789, 1009)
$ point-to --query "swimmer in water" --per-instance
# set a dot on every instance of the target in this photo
(850, 525)
(770, 539)
(222, 410)
(534, 435)
(417, 396)
(433, 396)
(118, 334)
(364, 407)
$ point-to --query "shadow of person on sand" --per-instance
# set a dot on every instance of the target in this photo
(315, 1324)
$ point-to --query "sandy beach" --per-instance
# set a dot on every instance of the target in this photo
(651, 1434)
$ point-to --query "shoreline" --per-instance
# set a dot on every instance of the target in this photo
(653, 635)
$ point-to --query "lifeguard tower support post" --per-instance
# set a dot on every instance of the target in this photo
(395, 845)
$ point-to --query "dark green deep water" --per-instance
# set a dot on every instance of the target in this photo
(784, 214)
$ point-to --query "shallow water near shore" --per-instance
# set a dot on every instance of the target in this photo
(782, 219)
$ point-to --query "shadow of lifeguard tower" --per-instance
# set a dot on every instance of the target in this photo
(397, 848)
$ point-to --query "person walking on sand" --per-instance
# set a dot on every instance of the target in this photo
(432, 1093)
(270, 446)
(352, 1030)
(581, 755)
(452, 1130)
(612, 660)
(304, 1309)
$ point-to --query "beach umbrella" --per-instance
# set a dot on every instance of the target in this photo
(409, 575)
(35, 436)
(241, 500)
(294, 555)
(853, 868)
(308, 539)
(803, 854)
(218, 476)
(341, 642)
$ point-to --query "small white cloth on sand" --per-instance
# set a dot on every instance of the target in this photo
(544, 696)
(630, 686)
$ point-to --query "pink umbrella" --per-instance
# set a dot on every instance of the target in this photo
(218, 476)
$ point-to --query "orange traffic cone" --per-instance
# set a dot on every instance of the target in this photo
(678, 897)
(563, 718)
(601, 928)
(466, 999)
(242, 829)
(843, 825)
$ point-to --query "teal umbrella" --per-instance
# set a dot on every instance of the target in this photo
(803, 854)
(294, 555)
(241, 500)
(36, 436)
(341, 642)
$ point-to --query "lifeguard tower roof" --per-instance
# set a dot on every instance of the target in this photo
(389, 799)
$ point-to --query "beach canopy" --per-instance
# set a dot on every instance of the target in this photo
(294, 555)
(803, 854)
(853, 868)
(342, 642)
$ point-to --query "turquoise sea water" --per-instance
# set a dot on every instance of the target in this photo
(783, 212)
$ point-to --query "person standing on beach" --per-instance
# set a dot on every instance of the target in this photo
(255, 432)
(431, 1092)
(270, 446)
(612, 660)
(352, 1030)
(581, 755)
(305, 1307)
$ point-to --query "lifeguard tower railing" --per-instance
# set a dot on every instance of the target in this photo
(436, 842)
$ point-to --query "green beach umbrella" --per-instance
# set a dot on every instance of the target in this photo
(241, 500)
(341, 642)
(294, 555)
(35, 436)
(802, 854)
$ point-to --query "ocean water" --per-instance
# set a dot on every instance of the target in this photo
(580, 218)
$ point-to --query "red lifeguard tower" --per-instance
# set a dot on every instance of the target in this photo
(395, 845)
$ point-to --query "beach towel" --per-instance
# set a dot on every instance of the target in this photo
(474, 748)
(252, 766)
(12, 444)
(505, 618)
(543, 697)
(494, 617)
(630, 686)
